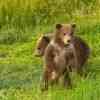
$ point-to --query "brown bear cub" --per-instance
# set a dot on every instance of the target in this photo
(62, 53)
(42, 44)
(56, 56)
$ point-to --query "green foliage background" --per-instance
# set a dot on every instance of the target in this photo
(17, 17)
(21, 24)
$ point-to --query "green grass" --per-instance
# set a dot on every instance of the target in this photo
(19, 18)
(20, 70)
(21, 24)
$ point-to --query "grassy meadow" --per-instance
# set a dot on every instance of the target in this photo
(21, 24)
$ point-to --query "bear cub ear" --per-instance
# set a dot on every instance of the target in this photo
(58, 26)
(73, 25)
(46, 38)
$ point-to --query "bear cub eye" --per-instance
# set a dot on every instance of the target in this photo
(69, 41)
(64, 34)
(38, 48)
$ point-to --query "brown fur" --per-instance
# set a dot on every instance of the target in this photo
(67, 60)
(56, 55)
(42, 44)
(81, 47)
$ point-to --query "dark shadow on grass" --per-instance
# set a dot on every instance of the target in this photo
(27, 82)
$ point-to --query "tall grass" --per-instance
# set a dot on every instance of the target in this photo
(20, 15)
(20, 70)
